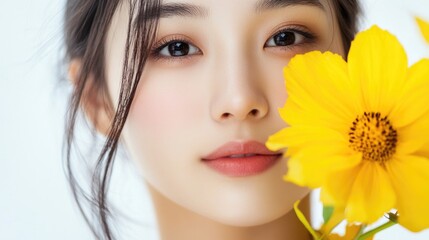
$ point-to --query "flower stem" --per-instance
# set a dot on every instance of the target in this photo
(376, 230)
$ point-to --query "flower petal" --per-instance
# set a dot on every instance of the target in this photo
(414, 98)
(294, 115)
(423, 151)
(303, 135)
(318, 83)
(371, 195)
(336, 189)
(276, 141)
(424, 28)
(377, 69)
(410, 177)
(413, 137)
(311, 166)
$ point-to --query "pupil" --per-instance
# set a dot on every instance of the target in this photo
(178, 49)
(284, 38)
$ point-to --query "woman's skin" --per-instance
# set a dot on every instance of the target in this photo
(226, 89)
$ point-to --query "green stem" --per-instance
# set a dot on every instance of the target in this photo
(376, 230)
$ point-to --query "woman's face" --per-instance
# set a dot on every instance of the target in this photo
(208, 99)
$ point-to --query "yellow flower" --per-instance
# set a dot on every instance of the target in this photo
(360, 129)
(424, 28)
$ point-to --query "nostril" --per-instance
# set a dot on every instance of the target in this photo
(254, 112)
(226, 115)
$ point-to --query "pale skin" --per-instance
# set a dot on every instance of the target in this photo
(187, 106)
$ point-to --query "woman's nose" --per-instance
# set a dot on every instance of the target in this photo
(239, 92)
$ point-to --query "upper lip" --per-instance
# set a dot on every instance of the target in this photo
(240, 149)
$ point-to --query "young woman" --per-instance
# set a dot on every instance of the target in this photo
(191, 89)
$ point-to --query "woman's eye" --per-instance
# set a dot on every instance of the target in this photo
(178, 49)
(285, 38)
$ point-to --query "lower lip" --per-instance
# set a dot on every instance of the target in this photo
(242, 167)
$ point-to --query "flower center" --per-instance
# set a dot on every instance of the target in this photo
(373, 136)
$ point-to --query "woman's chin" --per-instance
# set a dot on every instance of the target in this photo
(246, 206)
(252, 213)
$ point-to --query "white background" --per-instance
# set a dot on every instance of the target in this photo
(35, 202)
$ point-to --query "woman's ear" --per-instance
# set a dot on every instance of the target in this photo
(94, 100)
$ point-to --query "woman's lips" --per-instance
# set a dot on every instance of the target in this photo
(238, 159)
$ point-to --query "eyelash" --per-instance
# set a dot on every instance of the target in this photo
(163, 43)
(308, 36)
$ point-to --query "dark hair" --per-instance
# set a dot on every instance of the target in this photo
(347, 12)
(86, 26)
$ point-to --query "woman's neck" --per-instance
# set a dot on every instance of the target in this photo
(178, 223)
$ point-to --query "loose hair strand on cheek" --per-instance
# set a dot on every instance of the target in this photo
(86, 26)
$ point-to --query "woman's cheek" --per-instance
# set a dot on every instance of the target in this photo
(167, 108)
(164, 121)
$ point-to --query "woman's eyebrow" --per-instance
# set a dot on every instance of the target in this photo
(262, 5)
(183, 10)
